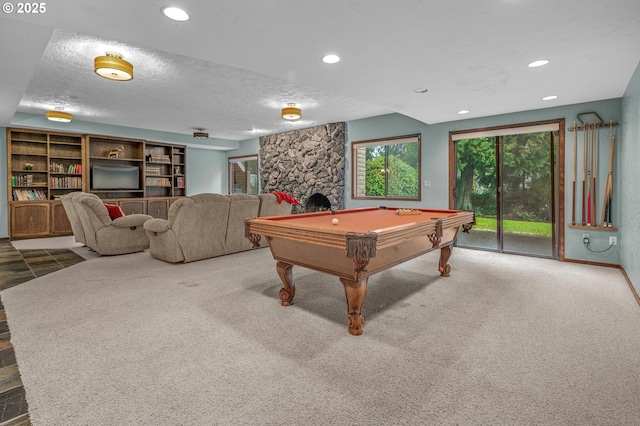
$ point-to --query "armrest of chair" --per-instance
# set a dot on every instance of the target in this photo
(131, 221)
(158, 226)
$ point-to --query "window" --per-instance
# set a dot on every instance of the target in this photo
(243, 175)
(387, 168)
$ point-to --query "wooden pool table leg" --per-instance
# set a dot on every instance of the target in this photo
(355, 292)
(286, 294)
(443, 266)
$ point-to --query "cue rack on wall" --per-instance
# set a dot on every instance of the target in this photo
(586, 212)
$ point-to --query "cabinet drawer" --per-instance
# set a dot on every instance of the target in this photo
(133, 206)
(158, 208)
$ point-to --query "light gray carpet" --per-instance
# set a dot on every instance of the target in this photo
(506, 340)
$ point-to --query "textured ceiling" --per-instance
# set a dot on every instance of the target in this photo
(235, 64)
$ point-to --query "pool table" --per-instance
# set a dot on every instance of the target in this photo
(361, 243)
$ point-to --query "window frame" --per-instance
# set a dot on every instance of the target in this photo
(233, 160)
(393, 140)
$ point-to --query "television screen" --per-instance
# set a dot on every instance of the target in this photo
(115, 177)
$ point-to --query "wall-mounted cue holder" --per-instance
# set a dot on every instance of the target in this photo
(585, 194)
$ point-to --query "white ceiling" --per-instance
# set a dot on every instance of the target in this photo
(236, 63)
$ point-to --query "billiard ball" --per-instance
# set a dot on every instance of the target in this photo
(334, 221)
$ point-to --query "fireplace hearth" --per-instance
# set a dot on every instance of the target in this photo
(317, 203)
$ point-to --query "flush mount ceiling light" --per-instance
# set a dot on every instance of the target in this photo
(463, 111)
(331, 59)
(200, 134)
(291, 112)
(175, 13)
(113, 67)
(538, 63)
(59, 116)
(550, 98)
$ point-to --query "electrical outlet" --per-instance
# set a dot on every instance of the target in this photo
(613, 241)
(427, 184)
(585, 238)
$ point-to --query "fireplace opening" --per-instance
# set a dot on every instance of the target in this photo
(317, 203)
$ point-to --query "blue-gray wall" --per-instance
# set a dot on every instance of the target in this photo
(206, 171)
(629, 193)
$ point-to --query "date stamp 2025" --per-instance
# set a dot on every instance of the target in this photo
(24, 8)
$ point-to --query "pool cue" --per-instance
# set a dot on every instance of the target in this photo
(589, 151)
(594, 169)
(610, 202)
(606, 208)
(573, 191)
(584, 171)
(606, 213)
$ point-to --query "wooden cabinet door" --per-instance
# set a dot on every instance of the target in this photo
(29, 220)
(133, 206)
(158, 208)
(60, 224)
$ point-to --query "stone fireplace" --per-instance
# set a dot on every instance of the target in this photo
(308, 164)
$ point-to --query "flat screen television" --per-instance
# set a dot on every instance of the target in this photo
(115, 177)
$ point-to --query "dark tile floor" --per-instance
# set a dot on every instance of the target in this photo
(17, 267)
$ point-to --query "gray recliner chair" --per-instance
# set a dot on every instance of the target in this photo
(72, 214)
(123, 235)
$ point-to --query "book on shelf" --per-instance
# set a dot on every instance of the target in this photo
(29, 195)
(159, 158)
(66, 182)
(23, 180)
(153, 171)
(155, 181)
(56, 167)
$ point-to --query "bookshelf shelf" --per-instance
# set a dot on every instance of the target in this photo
(163, 164)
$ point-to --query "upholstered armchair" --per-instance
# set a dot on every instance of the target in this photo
(242, 207)
(72, 214)
(195, 229)
(106, 236)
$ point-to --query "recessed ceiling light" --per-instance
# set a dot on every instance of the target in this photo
(421, 90)
(175, 13)
(331, 59)
(549, 98)
(463, 111)
(538, 63)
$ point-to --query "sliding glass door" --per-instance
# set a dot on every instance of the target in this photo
(508, 181)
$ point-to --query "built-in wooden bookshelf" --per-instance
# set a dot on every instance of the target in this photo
(158, 170)
(43, 165)
(179, 159)
(164, 170)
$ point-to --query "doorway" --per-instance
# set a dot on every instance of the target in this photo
(507, 176)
